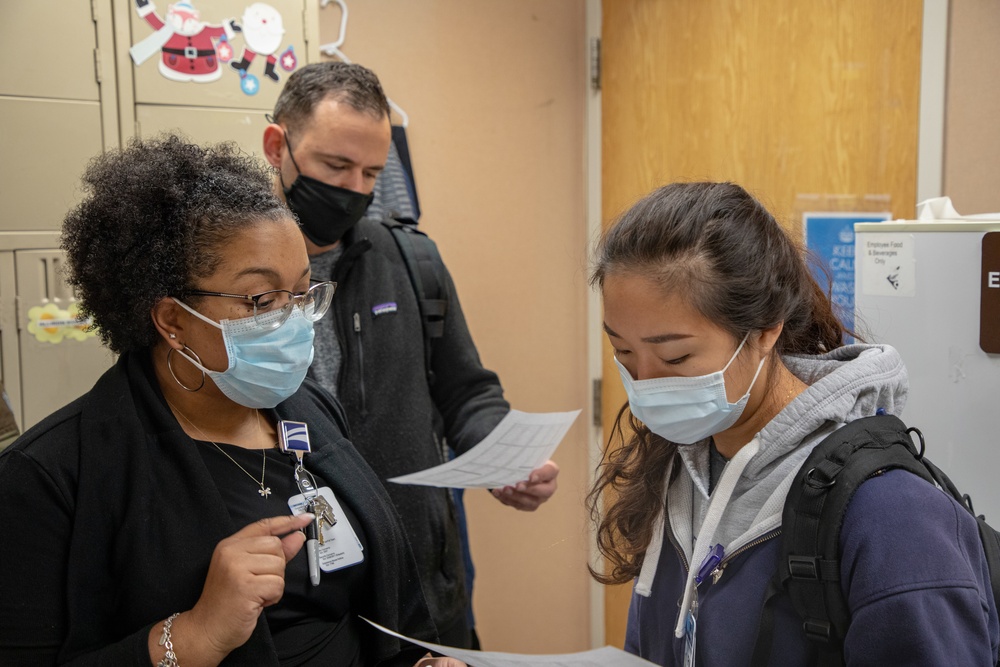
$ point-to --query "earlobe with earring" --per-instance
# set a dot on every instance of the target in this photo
(174, 375)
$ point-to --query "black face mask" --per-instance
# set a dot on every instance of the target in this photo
(325, 212)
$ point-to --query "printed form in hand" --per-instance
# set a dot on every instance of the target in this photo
(521, 442)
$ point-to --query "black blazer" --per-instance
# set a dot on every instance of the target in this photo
(108, 521)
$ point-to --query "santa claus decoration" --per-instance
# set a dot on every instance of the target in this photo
(187, 45)
(263, 33)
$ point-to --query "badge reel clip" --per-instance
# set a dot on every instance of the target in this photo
(293, 438)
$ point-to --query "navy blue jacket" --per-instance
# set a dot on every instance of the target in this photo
(913, 573)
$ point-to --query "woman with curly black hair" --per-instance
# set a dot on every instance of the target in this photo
(154, 520)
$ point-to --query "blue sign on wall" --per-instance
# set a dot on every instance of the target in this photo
(830, 238)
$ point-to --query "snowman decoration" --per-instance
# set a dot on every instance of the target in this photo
(263, 32)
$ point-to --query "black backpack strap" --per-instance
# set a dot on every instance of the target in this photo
(809, 562)
(830, 657)
(991, 547)
(428, 278)
(809, 566)
(765, 628)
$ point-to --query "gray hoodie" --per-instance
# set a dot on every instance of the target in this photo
(846, 384)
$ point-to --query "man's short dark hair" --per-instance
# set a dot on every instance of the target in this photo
(355, 85)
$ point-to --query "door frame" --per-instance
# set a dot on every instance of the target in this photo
(592, 151)
(933, 77)
(930, 175)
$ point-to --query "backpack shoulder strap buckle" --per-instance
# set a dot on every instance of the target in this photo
(803, 567)
(818, 631)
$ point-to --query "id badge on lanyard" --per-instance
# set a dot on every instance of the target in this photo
(331, 544)
(339, 546)
(690, 634)
(707, 567)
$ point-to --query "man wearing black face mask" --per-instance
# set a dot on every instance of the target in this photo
(325, 212)
(328, 140)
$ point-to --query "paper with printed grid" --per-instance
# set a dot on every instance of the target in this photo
(521, 442)
(602, 657)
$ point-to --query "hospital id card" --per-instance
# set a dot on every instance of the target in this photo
(339, 545)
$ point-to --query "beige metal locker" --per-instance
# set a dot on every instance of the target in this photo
(58, 51)
(204, 125)
(46, 146)
(59, 361)
(58, 101)
(70, 90)
(51, 89)
(46, 358)
(151, 77)
(48, 50)
(152, 101)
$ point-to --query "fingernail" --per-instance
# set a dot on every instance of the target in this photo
(312, 517)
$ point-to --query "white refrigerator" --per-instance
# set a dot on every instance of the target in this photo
(917, 288)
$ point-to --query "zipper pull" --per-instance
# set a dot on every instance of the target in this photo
(357, 323)
(710, 564)
(717, 573)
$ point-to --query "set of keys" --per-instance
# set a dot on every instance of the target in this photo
(316, 504)
(340, 547)
(294, 439)
(324, 515)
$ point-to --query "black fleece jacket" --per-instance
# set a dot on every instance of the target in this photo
(109, 520)
(397, 418)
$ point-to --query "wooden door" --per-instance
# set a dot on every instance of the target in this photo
(782, 96)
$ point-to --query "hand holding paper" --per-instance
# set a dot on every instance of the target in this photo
(528, 495)
(518, 448)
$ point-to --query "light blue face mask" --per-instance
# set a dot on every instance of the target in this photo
(266, 366)
(685, 410)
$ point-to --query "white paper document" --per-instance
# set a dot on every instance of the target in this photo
(608, 656)
(521, 442)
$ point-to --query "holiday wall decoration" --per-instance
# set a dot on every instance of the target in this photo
(288, 59)
(263, 32)
(185, 42)
(225, 50)
(194, 51)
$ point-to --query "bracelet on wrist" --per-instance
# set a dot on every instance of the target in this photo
(166, 640)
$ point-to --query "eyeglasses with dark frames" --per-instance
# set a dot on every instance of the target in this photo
(272, 308)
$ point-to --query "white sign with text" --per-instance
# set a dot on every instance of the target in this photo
(887, 264)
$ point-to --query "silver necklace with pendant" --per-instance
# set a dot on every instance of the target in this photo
(264, 491)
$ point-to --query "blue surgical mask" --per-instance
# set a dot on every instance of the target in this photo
(685, 410)
(266, 366)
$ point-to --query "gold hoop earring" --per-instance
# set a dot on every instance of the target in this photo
(174, 375)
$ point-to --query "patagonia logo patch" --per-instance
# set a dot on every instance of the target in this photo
(384, 308)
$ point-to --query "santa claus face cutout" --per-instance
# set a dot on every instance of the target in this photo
(185, 44)
(184, 19)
